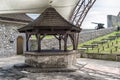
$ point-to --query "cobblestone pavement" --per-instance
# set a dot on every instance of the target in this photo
(89, 69)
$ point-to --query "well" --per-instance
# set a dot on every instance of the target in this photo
(51, 59)
(50, 22)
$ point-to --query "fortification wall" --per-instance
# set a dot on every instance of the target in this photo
(113, 21)
(85, 36)
(8, 36)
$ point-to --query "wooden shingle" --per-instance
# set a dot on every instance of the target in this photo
(50, 19)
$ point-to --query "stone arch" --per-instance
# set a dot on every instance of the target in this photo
(19, 45)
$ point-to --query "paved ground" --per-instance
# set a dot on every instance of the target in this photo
(89, 69)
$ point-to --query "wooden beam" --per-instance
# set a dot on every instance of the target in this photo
(72, 40)
(39, 42)
(39, 39)
(65, 37)
(27, 40)
(59, 38)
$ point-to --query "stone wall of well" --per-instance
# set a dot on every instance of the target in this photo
(84, 36)
(8, 36)
(51, 59)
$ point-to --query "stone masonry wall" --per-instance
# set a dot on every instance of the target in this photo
(84, 36)
(8, 35)
(113, 21)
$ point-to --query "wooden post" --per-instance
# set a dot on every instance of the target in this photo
(103, 48)
(39, 39)
(72, 40)
(116, 48)
(108, 45)
(98, 50)
(116, 42)
(111, 51)
(27, 44)
(39, 42)
(77, 40)
(65, 42)
(59, 38)
(27, 40)
(59, 44)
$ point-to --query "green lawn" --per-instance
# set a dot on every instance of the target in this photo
(98, 39)
(108, 47)
(33, 37)
(95, 39)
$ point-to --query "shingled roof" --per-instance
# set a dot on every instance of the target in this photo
(50, 19)
(21, 17)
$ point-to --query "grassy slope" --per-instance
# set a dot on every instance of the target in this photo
(97, 39)
(106, 48)
(95, 50)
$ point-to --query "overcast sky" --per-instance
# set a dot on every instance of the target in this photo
(99, 12)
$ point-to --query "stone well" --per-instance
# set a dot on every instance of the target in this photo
(51, 23)
(51, 59)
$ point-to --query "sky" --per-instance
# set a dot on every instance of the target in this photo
(98, 13)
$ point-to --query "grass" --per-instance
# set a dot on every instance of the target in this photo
(97, 39)
(106, 48)
(100, 46)
(33, 37)
(111, 49)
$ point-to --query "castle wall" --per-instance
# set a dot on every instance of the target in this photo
(113, 21)
(8, 36)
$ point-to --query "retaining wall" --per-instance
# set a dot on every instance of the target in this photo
(102, 56)
(8, 36)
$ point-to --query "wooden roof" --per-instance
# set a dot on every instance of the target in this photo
(50, 19)
(19, 17)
